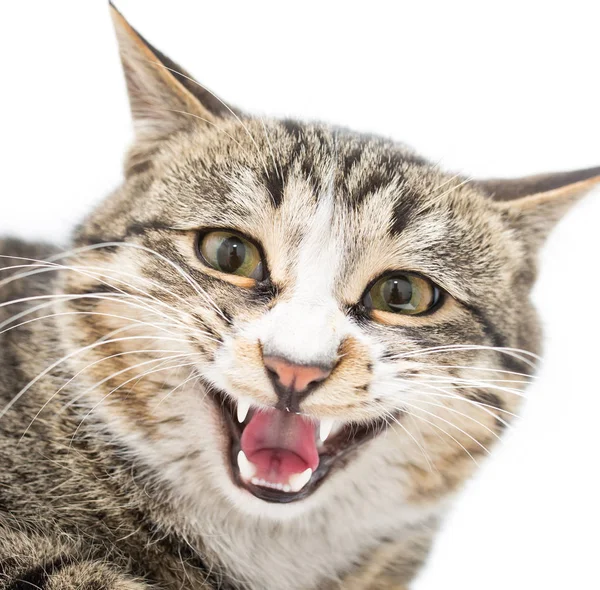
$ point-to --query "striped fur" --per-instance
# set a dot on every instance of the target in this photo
(117, 477)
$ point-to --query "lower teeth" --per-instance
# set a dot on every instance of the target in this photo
(295, 482)
(267, 484)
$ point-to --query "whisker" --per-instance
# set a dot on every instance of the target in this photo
(514, 352)
(447, 422)
(178, 269)
(100, 296)
(199, 290)
(47, 370)
(235, 115)
(81, 270)
(99, 270)
(212, 123)
(160, 362)
(437, 198)
(440, 186)
(487, 408)
(443, 431)
(481, 405)
(66, 384)
(457, 412)
(455, 379)
(192, 376)
(89, 313)
(152, 371)
(471, 384)
(488, 369)
(390, 416)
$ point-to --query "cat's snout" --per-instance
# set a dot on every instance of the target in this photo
(293, 382)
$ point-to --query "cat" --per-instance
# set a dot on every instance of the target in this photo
(270, 359)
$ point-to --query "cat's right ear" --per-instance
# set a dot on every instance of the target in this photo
(163, 97)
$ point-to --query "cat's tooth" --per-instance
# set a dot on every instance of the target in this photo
(247, 469)
(325, 429)
(243, 407)
(299, 480)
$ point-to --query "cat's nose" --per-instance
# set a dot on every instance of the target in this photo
(293, 382)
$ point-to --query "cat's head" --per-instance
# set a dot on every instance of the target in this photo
(284, 315)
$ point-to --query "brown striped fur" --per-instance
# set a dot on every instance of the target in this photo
(117, 478)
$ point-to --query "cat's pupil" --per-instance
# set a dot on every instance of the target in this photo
(397, 293)
(231, 254)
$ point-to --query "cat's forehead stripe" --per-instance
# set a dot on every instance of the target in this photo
(361, 165)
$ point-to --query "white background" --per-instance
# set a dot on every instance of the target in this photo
(490, 90)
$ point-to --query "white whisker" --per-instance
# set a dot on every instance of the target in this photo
(199, 290)
(152, 371)
(47, 370)
(457, 412)
(235, 115)
(417, 407)
(82, 270)
(514, 352)
(66, 384)
(88, 313)
(192, 376)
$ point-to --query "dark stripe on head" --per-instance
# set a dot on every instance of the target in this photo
(351, 161)
(293, 128)
(404, 210)
(273, 182)
(306, 145)
(507, 361)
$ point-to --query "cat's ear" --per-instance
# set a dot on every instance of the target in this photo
(533, 205)
(163, 97)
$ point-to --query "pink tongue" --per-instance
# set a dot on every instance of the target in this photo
(280, 444)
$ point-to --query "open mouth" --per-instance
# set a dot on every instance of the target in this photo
(284, 457)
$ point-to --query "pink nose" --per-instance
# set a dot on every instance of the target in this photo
(291, 377)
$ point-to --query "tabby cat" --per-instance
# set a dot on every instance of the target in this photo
(270, 359)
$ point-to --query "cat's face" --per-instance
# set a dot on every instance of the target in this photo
(297, 314)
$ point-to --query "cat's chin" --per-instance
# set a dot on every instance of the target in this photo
(298, 473)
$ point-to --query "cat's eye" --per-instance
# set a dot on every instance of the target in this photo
(231, 253)
(402, 293)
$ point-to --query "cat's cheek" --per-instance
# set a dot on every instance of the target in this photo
(238, 369)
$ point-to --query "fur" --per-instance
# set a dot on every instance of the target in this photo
(115, 470)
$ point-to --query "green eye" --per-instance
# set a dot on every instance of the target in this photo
(230, 253)
(405, 293)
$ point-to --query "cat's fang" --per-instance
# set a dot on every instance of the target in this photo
(325, 429)
(247, 469)
(299, 480)
(243, 407)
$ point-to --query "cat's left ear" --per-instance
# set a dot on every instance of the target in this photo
(533, 205)
(164, 98)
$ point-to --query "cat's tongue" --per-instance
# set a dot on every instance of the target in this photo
(280, 448)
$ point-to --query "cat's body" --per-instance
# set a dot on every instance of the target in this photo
(123, 376)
